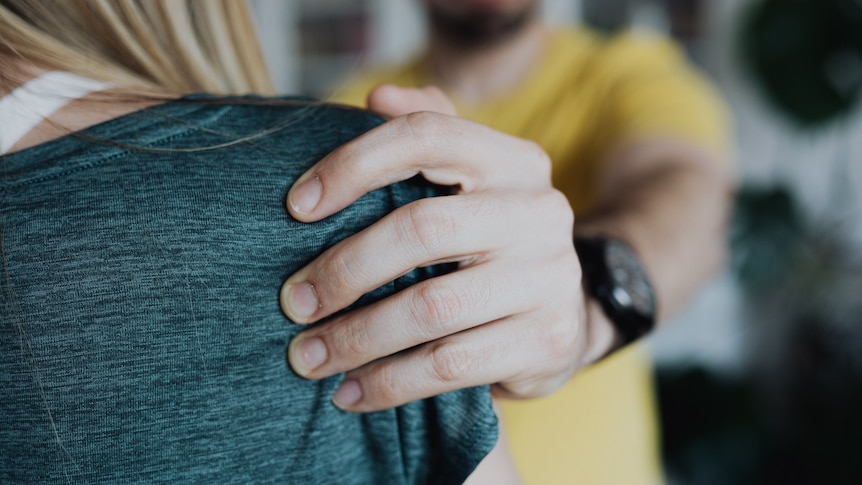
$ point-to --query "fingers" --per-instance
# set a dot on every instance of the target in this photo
(493, 352)
(511, 315)
(529, 278)
(541, 294)
(445, 150)
(467, 229)
(429, 310)
(393, 101)
(520, 266)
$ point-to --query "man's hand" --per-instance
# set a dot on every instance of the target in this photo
(511, 315)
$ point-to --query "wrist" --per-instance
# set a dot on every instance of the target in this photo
(602, 336)
(619, 299)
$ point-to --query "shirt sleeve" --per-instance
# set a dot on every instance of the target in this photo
(653, 91)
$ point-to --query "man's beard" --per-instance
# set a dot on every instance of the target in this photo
(471, 30)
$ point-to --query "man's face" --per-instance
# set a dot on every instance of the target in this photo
(478, 23)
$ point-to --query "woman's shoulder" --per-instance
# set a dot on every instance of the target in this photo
(200, 127)
(264, 122)
(167, 239)
(263, 109)
(256, 119)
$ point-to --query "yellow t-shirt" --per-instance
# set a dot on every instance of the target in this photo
(587, 94)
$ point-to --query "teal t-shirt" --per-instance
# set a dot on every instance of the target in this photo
(141, 337)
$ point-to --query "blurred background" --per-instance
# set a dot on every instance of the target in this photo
(760, 381)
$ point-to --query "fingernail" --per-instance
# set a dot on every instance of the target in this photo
(301, 301)
(304, 197)
(310, 354)
(347, 395)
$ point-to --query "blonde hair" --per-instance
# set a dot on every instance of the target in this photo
(177, 46)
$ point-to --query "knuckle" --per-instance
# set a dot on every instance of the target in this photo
(437, 307)
(539, 159)
(333, 279)
(427, 225)
(538, 388)
(451, 362)
(352, 343)
(561, 340)
(559, 210)
(560, 205)
(383, 385)
(346, 163)
(334, 269)
(569, 274)
(421, 121)
(341, 271)
(380, 385)
(422, 127)
(572, 273)
(432, 131)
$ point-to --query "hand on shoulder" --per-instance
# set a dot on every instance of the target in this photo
(512, 314)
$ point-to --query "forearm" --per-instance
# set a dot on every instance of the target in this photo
(669, 201)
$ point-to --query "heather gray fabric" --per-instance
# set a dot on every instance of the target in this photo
(141, 337)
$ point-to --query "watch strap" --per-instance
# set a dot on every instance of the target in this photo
(629, 323)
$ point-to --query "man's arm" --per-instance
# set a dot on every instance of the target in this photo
(513, 314)
(669, 200)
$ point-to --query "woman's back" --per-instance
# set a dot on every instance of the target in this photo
(142, 338)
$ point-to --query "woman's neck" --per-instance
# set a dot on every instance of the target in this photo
(88, 110)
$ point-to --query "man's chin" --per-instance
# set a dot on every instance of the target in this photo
(489, 5)
(481, 25)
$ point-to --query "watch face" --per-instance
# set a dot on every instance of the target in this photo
(630, 286)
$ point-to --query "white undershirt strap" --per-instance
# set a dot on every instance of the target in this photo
(37, 99)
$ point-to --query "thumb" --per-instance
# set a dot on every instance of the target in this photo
(392, 101)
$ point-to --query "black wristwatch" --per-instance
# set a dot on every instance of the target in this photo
(615, 277)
